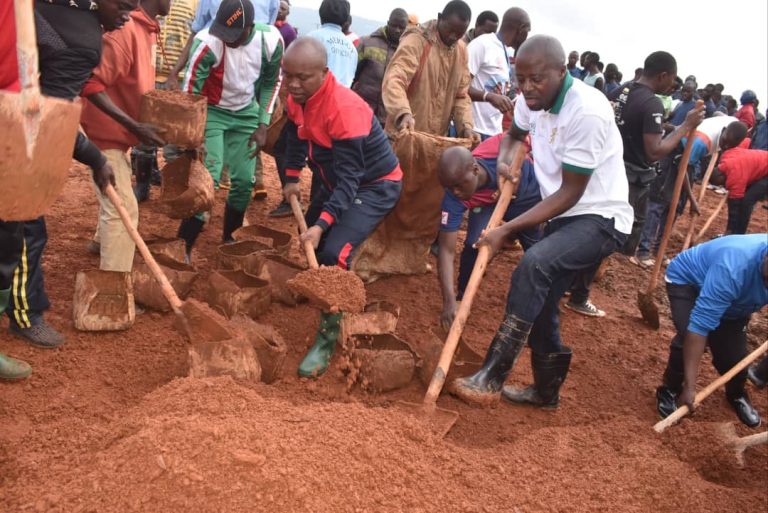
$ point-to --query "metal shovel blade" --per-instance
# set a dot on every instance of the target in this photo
(439, 420)
(648, 309)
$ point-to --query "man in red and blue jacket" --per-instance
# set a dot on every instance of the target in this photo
(360, 177)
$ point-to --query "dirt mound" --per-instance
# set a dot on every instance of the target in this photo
(213, 445)
(330, 286)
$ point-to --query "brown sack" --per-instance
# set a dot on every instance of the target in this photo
(147, 290)
(237, 292)
(180, 116)
(187, 188)
(103, 301)
(401, 242)
(278, 240)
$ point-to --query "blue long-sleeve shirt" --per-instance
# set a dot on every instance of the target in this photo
(342, 54)
(728, 272)
(264, 11)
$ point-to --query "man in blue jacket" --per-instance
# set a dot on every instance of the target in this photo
(713, 290)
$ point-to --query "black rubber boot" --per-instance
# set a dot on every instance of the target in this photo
(549, 372)
(189, 229)
(233, 219)
(739, 400)
(483, 387)
(672, 385)
(758, 374)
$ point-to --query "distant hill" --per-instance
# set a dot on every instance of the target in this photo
(306, 20)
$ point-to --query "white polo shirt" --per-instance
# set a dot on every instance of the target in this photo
(489, 66)
(579, 134)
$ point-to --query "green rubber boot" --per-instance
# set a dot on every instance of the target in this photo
(315, 363)
(12, 369)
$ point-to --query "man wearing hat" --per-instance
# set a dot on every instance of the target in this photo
(236, 65)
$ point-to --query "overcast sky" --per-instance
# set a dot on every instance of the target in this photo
(723, 42)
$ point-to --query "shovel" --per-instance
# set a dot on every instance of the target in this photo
(702, 191)
(711, 218)
(442, 419)
(38, 133)
(329, 288)
(739, 444)
(213, 349)
(683, 410)
(645, 301)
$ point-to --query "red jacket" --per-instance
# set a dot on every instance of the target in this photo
(746, 114)
(9, 67)
(742, 167)
(126, 72)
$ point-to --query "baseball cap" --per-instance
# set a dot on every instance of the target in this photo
(232, 18)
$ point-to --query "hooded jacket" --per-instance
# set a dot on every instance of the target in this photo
(373, 55)
(428, 80)
(126, 72)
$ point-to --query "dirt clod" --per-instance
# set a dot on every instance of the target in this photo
(330, 287)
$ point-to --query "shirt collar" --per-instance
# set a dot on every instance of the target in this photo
(567, 83)
(332, 26)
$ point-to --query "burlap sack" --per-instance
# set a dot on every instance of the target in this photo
(401, 242)
(180, 116)
(187, 188)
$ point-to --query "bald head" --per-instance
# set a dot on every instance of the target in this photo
(458, 172)
(515, 16)
(515, 25)
(309, 51)
(545, 49)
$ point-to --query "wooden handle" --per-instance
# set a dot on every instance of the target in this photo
(702, 191)
(478, 271)
(749, 441)
(26, 46)
(308, 249)
(165, 285)
(681, 170)
(711, 218)
(683, 410)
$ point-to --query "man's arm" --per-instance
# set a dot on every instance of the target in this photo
(693, 349)
(398, 77)
(268, 87)
(657, 146)
(295, 159)
(445, 270)
(199, 69)
(145, 132)
(462, 105)
(172, 82)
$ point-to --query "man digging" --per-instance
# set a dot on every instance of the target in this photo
(577, 154)
(360, 175)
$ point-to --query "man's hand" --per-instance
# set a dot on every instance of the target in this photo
(501, 102)
(172, 82)
(687, 396)
(313, 235)
(694, 117)
(448, 313)
(291, 189)
(505, 172)
(469, 133)
(147, 134)
(103, 177)
(258, 140)
(494, 239)
(406, 122)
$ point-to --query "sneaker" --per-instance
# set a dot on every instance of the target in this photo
(722, 191)
(282, 210)
(642, 263)
(585, 308)
(711, 187)
(259, 193)
(40, 335)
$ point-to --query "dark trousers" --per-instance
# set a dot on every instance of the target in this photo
(727, 343)
(528, 195)
(372, 202)
(26, 243)
(740, 210)
(638, 198)
(571, 245)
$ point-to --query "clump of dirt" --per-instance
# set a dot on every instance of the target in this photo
(331, 287)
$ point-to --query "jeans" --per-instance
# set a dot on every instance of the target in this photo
(638, 198)
(571, 245)
(653, 230)
(727, 343)
(740, 210)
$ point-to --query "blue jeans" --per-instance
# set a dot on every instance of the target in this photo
(652, 231)
(571, 245)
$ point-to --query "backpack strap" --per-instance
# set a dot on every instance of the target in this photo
(422, 60)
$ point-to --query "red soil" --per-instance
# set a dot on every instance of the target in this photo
(104, 423)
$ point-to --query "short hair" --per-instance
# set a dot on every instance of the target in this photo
(459, 9)
(334, 11)
(398, 12)
(737, 132)
(595, 56)
(720, 87)
(486, 16)
(658, 63)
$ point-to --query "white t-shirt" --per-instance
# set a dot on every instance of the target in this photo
(579, 134)
(591, 79)
(489, 67)
(712, 128)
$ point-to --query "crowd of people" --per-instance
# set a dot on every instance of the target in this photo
(600, 166)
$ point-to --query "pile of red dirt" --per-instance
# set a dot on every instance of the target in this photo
(331, 287)
(86, 430)
(213, 445)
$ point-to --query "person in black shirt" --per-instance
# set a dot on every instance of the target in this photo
(640, 117)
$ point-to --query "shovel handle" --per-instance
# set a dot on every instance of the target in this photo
(722, 380)
(711, 218)
(158, 273)
(681, 170)
(26, 51)
(508, 190)
(702, 191)
(309, 250)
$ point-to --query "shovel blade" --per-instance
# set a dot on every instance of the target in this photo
(648, 309)
(34, 163)
(439, 420)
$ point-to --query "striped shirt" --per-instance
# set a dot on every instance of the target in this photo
(233, 78)
(174, 33)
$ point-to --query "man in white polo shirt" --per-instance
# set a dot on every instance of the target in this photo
(491, 71)
(577, 153)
